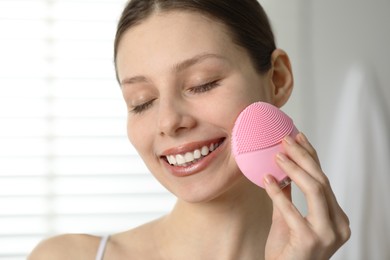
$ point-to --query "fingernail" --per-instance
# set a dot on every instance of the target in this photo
(281, 157)
(268, 180)
(303, 137)
(288, 139)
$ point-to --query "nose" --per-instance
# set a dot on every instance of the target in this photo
(174, 118)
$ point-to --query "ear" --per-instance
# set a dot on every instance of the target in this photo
(281, 78)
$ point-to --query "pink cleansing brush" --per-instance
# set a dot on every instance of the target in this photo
(256, 138)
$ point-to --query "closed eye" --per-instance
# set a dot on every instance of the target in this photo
(141, 108)
(204, 87)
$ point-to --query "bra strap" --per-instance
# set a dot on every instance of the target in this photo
(102, 248)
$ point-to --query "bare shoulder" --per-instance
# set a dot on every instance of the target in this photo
(137, 243)
(70, 246)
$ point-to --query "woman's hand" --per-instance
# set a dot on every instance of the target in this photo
(325, 228)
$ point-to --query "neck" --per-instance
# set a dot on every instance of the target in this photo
(233, 226)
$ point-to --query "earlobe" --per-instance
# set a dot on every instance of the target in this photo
(281, 77)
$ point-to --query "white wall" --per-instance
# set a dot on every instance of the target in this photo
(325, 40)
(348, 35)
(345, 32)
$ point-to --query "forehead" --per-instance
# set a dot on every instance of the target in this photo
(168, 37)
(176, 23)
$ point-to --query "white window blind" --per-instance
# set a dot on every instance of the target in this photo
(65, 162)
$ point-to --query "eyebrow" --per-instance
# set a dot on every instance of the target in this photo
(132, 80)
(177, 67)
(196, 59)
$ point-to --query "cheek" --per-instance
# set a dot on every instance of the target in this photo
(229, 108)
(137, 134)
(131, 133)
(228, 115)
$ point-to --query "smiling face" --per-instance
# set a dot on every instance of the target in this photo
(185, 82)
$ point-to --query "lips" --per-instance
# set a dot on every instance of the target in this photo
(190, 157)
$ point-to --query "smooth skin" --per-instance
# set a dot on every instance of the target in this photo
(184, 82)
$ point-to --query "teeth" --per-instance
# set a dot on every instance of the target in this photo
(189, 157)
(183, 160)
(171, 159)
(204, 151)
(180, 159)
(197, 154)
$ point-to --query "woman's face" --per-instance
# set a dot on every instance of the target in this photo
(185, 82)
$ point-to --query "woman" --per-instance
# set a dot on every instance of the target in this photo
(186, 69)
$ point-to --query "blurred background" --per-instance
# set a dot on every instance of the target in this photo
(66, 165)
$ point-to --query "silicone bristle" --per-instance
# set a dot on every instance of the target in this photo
(259, 126)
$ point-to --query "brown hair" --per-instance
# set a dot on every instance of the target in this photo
(246, 21)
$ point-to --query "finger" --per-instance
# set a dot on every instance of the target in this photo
(337, 215)
(304, 142)
(283, 205)
(302, 157)
(318, 211)
(287, 192)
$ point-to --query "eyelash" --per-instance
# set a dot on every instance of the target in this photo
(196, 90)
(140, 108)
(205, 87)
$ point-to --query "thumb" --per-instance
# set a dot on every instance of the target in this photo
(276, 215)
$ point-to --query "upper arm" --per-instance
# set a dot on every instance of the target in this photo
(66, 247)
